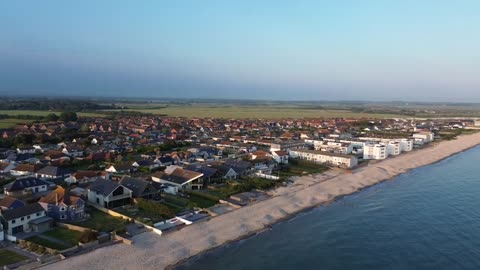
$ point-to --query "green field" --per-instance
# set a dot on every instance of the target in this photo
(8, 257)
(11, 122)
(248, 111)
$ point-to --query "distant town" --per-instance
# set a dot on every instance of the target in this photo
(73, 183)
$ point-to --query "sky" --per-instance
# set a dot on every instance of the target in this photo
(379, 50)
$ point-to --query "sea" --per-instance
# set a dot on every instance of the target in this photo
(428, 218)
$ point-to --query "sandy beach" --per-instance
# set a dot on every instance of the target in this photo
(151, 251)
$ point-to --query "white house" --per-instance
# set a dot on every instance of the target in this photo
(180, 178)
(31, 217)
(340, 160)
(426, 137)
(374, 151)
(108, 194)
(280, 156)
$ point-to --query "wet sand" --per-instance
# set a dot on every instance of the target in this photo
(151, 251)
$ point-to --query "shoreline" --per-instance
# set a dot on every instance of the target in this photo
(308, 192)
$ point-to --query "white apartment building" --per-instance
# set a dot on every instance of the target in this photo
(334, 147)
(393, 148)
(374, 151)
(406, 145)
(341, 160)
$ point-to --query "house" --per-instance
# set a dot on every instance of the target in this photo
(24, 169)
(82, 177)
(73, 151)
(63, 206)
(31, 217)
(226, 172)
(208, 172)
(125, 167)
(108, 194)
(280, 157)
(25, 186)
(5, 167)
(340, 160)
(26, 150)
(165, 161)
(150, 164)
(140, 188)
(8, 203)
(241, 167)
(52, 172)
(180, 179)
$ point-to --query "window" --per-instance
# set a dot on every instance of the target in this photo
(22, 219)
(38, 214)
(63, 217)
(63, 209)
(28, 217)
(13, 221)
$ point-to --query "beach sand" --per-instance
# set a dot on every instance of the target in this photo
(151, 251)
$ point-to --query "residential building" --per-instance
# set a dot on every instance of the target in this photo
(374, 151)
(108, 194)
(31, 217)
(25, 186)
(340, 160)
(63, 206)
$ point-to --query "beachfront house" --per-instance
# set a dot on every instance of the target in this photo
(334, 159)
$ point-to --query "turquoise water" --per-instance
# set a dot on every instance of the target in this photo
(428, 218)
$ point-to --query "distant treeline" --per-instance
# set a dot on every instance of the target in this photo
(52, 105)
(22, 116)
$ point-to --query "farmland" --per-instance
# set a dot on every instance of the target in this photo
(249, 111)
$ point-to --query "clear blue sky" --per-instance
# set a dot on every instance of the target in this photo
(301, 50)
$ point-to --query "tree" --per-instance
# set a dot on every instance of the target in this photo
(68, 116)
(51, 117)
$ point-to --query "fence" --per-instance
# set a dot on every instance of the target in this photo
(267, 176)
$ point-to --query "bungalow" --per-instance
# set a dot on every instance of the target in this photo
(146, 163)
(24, 170)
(61, 205)
(26, 150)
(5, 167)
(51, 172)
(180, 179)
(8, 203)
(73, 151)
(108, 194)
(241, 167)
(31, 217)
(165, 161)
(120, 168)
(25, 186)
(82, 177)
(140, 188)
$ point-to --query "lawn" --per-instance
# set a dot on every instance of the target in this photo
(8, 257)
(47, 243)
(249, 111)
(69, 236)
(101, 221)
(298, 167)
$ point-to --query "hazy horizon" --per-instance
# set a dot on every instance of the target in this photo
(272, 50)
